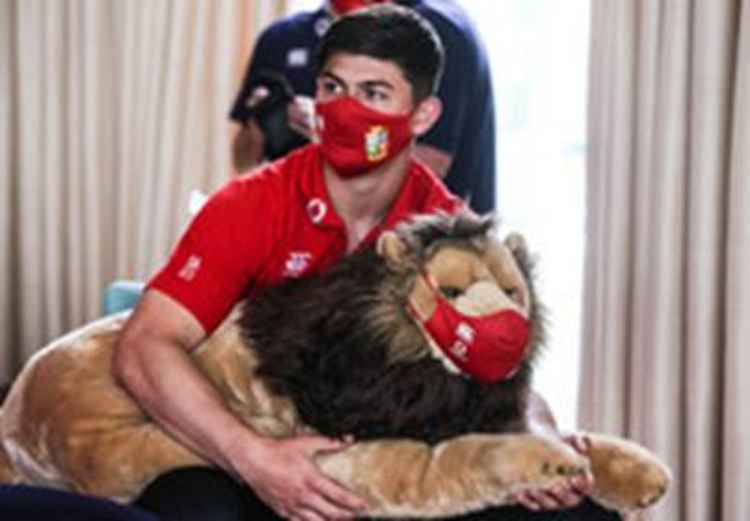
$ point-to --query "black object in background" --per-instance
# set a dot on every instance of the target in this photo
(271, 115)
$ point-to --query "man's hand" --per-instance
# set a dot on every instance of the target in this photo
(282, 473)
(248, 146)
(257, 95)
(300, 114)
(561, 497)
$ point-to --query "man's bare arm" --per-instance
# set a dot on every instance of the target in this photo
(152, 360)
(539, 415)
(541, 421)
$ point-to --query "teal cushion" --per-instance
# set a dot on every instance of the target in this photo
(121, 295)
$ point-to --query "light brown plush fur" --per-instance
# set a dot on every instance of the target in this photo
(66, 423)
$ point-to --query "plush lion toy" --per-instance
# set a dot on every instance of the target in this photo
(342, 353)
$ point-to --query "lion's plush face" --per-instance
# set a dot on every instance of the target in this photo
(478, 280)
(479, 275)
(346, 347)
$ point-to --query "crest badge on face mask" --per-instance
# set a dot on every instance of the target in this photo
(355, 139)
(376, 143)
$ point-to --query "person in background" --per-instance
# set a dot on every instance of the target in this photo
(460, 148)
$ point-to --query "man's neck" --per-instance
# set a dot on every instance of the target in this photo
(363, 201)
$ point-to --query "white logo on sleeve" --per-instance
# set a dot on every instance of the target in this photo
(190, 268)
(297, 263)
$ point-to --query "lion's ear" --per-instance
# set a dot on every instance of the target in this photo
(517, 245)
(392, 248)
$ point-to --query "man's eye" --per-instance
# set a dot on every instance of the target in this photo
(329, 87)
(375, 95)
(450, 292)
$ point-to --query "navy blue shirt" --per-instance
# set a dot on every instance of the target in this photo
(27, 503)
(465, 130)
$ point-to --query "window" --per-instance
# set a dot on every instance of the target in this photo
(538, 51)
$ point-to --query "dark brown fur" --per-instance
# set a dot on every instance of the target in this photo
(317, 344)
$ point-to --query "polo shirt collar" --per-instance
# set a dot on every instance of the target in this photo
(320, 209)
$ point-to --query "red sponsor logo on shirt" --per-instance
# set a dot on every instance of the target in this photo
(316, 210)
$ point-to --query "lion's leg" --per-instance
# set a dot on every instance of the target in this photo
(627, 476)
(402, 478)
(119, 463)
(68, 424)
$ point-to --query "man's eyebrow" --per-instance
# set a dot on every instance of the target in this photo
(332, 76)
(377, 83)
(366, 83)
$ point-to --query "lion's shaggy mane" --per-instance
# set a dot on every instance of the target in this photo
(327, 342)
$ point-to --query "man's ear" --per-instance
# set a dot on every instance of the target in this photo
(425, 115)
(392, 248)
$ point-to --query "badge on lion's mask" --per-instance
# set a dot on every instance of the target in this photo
(376, 143)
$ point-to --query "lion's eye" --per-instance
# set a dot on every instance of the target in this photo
(450, 292)
(514, 294)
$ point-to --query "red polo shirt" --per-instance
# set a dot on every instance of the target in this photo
(272, 224)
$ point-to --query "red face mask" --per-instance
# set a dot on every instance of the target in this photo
(343, 7)
(490, 348)
(354, 139)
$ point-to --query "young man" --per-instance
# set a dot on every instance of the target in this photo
(459, 148)
(293, 218)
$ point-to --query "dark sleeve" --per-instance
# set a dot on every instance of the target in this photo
(264, 57)
(459, 75)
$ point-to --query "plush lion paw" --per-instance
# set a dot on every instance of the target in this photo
(522, 462)
(627, 476)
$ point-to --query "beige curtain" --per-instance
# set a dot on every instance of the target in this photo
(111, 113)
(667, 290)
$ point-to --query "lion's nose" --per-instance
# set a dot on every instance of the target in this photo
(484, 297)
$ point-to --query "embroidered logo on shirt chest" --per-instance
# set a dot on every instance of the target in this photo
(297, 263)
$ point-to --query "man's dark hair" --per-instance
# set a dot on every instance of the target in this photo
(393, 33)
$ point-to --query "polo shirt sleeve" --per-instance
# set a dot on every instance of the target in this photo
(221, 253)
(265, 57)
(460, 72)
(445, 201)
